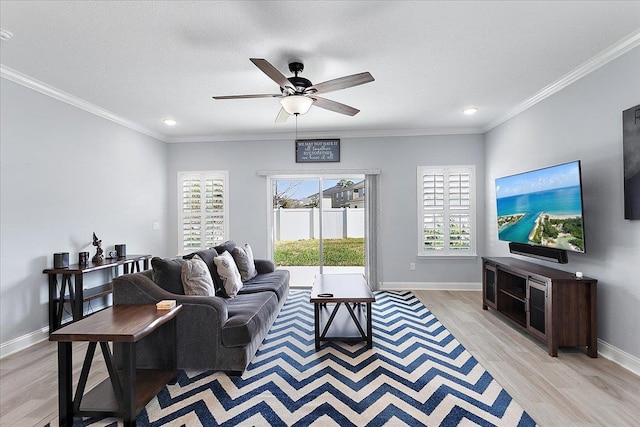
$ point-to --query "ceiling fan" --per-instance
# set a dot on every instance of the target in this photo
(298, 94)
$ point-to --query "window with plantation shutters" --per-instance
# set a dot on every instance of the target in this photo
(446, 211)
(202, 210)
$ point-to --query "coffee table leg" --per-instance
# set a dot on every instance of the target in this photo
(65, 398)
(369, 327)
(316, 315)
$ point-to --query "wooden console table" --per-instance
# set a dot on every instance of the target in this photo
(127, 390)
(75, 294)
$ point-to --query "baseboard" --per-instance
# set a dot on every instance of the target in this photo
(27, 340)
(20, 343)
(432, 286)
(620, 357)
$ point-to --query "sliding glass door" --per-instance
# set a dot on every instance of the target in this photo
(318, 225)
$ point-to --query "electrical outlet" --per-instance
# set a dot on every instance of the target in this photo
(412, 266)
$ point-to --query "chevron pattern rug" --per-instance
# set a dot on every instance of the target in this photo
(416, 374)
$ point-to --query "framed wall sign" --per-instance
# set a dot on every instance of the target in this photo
(317, 150)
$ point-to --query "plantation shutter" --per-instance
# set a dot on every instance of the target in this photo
(446, 213)
(202, 210)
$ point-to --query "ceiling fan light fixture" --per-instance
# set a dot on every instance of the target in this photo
(296, 104)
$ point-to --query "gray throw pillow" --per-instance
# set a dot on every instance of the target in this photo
(207, 255)
(229, 274)
(196, 278)
(167, 274)
(244, 262)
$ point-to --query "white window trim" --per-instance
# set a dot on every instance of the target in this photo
(219, 174)
(446, 252)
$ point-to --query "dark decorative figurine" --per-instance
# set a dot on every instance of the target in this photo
(99, 256)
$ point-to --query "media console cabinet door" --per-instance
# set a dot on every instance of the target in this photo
(489, 288)
(537, 320)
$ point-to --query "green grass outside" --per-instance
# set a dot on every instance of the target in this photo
(337, 252)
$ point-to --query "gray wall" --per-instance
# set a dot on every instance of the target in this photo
(396, 157)
(584, 122)
(66, 174)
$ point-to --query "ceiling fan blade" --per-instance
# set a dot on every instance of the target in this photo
(341, 83)
(330, 105)
(265, 95)
(282, 116)
(273, 73)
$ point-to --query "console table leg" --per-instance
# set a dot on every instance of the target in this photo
(173, 353)
(129, 384)
(65, 402)
(84, 375)
(53, 309)
(78, 299)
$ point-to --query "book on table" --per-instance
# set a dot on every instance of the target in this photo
(166, 304)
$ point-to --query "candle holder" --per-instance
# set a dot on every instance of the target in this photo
(83, 259)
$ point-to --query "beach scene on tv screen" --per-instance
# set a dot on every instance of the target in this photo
(542, 207)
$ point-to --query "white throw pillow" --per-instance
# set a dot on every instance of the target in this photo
(228, 272)
(196, 278)
(244, 262)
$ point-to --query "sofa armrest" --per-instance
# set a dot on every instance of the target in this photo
(138, 288)
(264, 266)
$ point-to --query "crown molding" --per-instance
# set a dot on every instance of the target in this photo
(604, 57)
(31, 83)
(329, 134)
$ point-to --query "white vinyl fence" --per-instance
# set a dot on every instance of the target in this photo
(300, 224)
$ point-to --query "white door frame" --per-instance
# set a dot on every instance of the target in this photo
(270, 175)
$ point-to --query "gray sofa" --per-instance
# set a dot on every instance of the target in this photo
(213, 332)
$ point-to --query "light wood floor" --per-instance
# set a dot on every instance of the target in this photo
(570, 390)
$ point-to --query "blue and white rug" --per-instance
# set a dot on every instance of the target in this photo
(416, 374)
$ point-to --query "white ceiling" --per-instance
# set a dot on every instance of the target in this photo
(138, 62)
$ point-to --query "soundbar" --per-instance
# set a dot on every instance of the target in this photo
(540, 252)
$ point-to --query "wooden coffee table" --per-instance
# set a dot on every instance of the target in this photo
(127, 390)
(350, 291)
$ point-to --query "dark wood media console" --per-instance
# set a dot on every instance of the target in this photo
(554, 306)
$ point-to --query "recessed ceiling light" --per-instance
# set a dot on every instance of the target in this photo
(470, 110)
(5, 34)
(170, 122)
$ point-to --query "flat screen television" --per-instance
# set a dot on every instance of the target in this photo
(542, 207)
